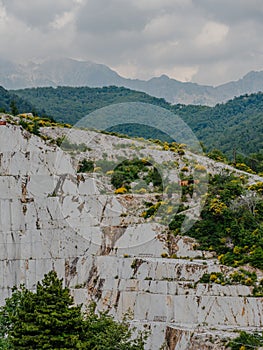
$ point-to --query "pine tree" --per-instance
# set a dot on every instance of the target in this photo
(13, 107)
(47, 319)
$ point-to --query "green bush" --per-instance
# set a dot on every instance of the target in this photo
(247, 341)
(229, 225)
(86, 166)
(135, 169)
(176, 223)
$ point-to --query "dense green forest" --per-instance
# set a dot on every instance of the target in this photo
(11, 103)
(69, 104)
(237, 124)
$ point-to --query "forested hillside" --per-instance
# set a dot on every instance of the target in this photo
(235, 124)
(10, 103)
(72, 104)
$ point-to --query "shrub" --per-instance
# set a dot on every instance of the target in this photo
(151, 210)
(86, 166)
(200, 167)
(176, 223)
(247, 341)
(120, 190)
(131, 170)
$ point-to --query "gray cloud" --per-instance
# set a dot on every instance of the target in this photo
(208, 41)
(36, 13)
(110, 16)
(231, 11)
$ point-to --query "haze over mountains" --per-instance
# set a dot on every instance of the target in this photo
(69, 72)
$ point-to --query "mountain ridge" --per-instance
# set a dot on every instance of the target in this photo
(70, 72)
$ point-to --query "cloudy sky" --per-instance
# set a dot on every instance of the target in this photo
(205, 41)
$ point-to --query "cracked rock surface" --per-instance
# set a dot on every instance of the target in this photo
(52, 217)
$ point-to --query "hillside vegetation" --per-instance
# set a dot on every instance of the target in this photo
(9, 102)
(235, 124)
(69, 104)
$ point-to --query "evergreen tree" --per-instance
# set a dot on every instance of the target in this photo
(35, 129)
(47, 319)
(103, 333)
(13, 107)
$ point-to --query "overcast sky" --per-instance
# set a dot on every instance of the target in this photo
(205, 41)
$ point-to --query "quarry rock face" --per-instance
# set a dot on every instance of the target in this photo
(52, 217)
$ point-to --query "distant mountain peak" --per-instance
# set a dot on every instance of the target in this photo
(71, 72)
(253, 75)
(165, 77)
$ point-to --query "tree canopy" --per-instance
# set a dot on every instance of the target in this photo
(48, 319)
(237, 123)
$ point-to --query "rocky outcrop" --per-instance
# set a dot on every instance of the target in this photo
(53, 218)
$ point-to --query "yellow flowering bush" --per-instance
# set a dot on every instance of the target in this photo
(217, 207)
(120, 190)
(200, 167)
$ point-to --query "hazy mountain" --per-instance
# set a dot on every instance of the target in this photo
(69, 72)
(251, 82)
(56, 72)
